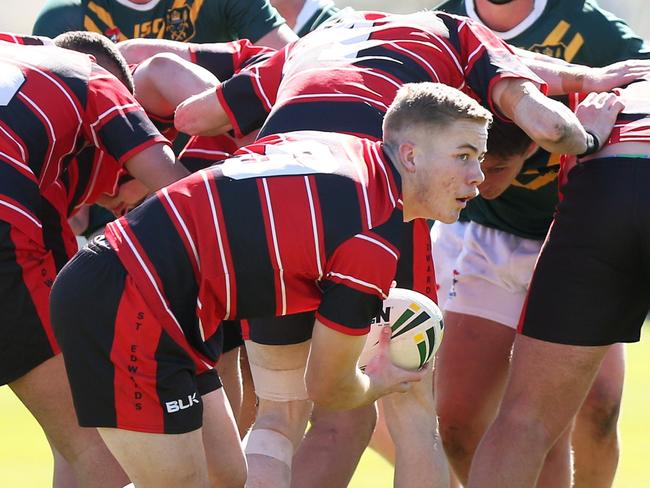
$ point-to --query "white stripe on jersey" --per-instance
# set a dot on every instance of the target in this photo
(22, 212)
(144, 267)
(378, 243)
(217, 231)
(276, 248)
(357, 281)
(181, 222)
(48, 160)
(314, 227)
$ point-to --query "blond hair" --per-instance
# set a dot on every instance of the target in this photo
(418, 104)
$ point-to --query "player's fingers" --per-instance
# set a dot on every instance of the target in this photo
(384, 339)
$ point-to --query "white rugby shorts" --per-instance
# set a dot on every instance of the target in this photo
(482, 271)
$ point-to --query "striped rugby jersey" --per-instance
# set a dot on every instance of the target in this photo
(52, 103)
(297, 222)
(350, 72)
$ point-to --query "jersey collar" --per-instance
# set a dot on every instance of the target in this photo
(538, 10)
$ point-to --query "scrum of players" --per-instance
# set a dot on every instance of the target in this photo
(264, 247)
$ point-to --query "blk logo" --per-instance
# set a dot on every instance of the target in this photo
(180, 404)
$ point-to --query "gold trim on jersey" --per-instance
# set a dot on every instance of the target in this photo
(554, 46)
(106, 18)
(542, 179)
(181, 18)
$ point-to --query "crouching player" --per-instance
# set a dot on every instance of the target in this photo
(299, 222)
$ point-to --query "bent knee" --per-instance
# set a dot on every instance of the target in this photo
(600, 412)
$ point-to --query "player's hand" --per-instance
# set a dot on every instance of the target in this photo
(201, 115)
(598, 112)
(615, 75)
(384, 376)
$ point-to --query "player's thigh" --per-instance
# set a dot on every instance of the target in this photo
(159, 460)
(471, 367)
(548, 382)
(223, 449)
(46, 394)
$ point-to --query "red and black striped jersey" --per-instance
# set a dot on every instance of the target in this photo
(225, 59)
(351, 71)
(294, 223)
(202, 151)
(52, 102)
(25, 40)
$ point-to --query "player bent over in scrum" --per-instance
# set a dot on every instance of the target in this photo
(299, 222)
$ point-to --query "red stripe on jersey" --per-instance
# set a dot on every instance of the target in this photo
(424, 274)
(158, 139)
(342, 328)
(289, 252)
(133, 354)
(39, 270)
(19, 156)
(317, 224)
(122, 239)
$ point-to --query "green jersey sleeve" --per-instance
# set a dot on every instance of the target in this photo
(249, 19)
(58, 16)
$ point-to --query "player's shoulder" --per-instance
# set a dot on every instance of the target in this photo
(59, 16)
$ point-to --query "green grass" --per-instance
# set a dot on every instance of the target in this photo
(25, 458)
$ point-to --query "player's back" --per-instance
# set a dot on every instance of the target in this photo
(254, 236)
(43, 96)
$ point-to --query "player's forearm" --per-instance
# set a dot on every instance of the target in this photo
(548, 122)
(278, 37)
(561, 78)
(135, 51)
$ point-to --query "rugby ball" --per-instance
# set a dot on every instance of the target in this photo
(417, 329)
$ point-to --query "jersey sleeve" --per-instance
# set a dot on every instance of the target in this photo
(114, 121)
(249, 96)
(225, 59)
(251, 19)
(486, 59)
(357, 277)
(59, 16)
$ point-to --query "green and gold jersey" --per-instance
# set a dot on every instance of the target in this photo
(578, 31)
(313, 14)
(178, 20)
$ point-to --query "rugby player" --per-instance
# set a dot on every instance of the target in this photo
(176, 265)
(593, 259)
(303, 16)
(489, 256)
(178, 20)
(55, 101)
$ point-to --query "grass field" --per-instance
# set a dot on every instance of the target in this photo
(25, 460)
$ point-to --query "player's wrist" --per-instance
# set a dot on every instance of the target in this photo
(592, 144)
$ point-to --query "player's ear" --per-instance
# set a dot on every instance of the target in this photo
(406, 151)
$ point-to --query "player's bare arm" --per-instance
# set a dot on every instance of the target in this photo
(135, 51)
(202, 115)
(165, 80)
(334, 380)
(563, 78)
(548, 122)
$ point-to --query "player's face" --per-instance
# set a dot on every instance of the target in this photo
(499, 174)
(446, 170)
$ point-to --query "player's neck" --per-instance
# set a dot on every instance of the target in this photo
(503, 18)
(289, 9)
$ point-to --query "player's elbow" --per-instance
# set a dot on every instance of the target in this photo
(559, 136)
